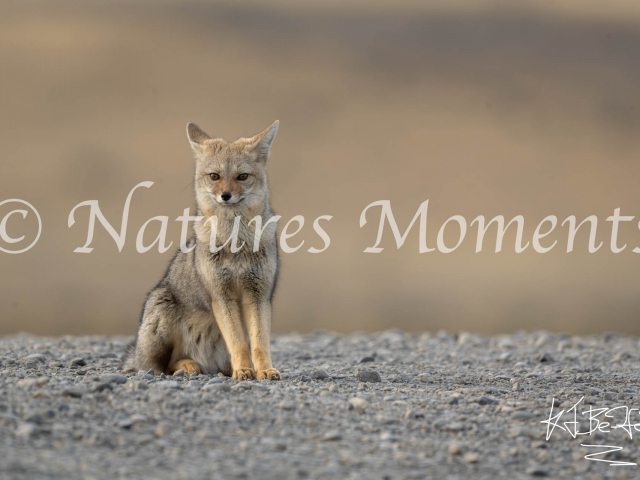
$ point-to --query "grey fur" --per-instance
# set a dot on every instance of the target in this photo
(178, 320)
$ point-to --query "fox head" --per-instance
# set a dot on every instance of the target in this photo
(231, 175)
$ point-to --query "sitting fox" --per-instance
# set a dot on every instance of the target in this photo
(198, 317)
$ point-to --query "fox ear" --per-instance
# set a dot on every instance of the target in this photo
(196, 136)
(260, 144)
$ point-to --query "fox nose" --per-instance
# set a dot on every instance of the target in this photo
(225, 196)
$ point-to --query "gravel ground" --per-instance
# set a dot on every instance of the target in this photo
(388, 405)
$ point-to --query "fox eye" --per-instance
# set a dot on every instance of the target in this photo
(214, 176)
(243, 176)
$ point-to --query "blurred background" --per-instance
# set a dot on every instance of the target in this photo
(484, 107)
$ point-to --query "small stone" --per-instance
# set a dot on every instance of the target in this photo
(113, 378)
(332, 436)
(522, 415)
(286, 405)
(33, 417)
(367, 375)
(26, 431)
(367, 359)
(424, 378)
(538, 472)
(544, 358)
(454, 449)
(41, 394)
(36, 356)
(516, 387)
(79, 362)
(135, 385)
(168, 384)
(72, 392)
(126, 423)
(178, 373)
(319, 374)
(487, 400)
(102, 386)
(27, 383)
(241, 386)
(138, 418)
(333, 388)
(151, 372)
(388, 437)
(412, 415)
(217, 387)
(471, 457)
(162, 429)
(358, 403)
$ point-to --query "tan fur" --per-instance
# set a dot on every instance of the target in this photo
(177, 331)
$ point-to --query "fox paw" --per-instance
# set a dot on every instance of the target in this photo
(269, 374)
(189, 366)
(244, 374)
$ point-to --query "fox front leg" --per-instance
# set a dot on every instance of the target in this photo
(227, 314)
(257, 313)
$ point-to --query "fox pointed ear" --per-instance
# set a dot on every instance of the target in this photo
(196, 136)
(260, 144)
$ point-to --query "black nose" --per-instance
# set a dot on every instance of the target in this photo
(225, 196)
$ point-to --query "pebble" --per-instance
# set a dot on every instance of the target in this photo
(135, 385)
(332, 436)
(539, 472)
(470, 457)
(72, 392)
(319, 374)
(126, 423)
(27, 383)
(368, 375)
(454, 449)
(162, 429)
(287, 405)
(358, 403)
(102, 386)
(522, 415)
(449, 407)
(216, 387)
(26, 431)
(36, 356)
(544, 358)
(113, 378)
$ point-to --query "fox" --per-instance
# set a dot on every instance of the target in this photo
(212, 311)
